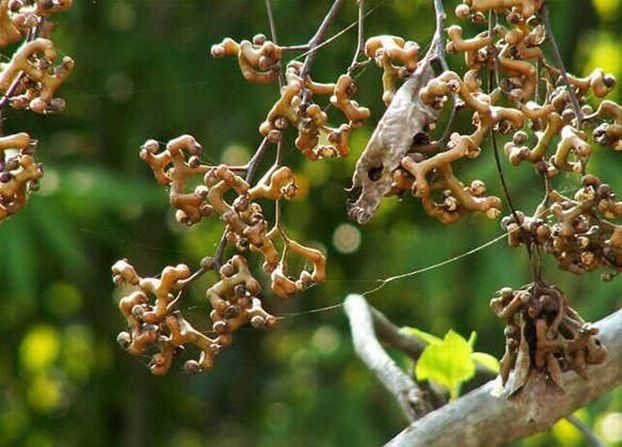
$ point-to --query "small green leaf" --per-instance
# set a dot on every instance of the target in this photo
(486, 360)
(423, 336)
(448, 363)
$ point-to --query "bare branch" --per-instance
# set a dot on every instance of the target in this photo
(560, 65)
(438, 41)
(485, 417)
(590, 437)
(392, 335)
(316, 40)
(273, 34)
(369, 350)
(360, 36)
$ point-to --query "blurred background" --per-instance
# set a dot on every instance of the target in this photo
(143, 71)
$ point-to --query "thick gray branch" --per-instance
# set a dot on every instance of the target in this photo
(485, 418)
(395, 380)
(392, 335)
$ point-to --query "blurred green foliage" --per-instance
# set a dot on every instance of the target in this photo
(143, 71)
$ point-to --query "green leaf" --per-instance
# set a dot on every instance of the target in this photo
(486, 360)
(448, 363)
(424, 336)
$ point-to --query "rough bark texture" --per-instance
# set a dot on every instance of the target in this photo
(485, 418)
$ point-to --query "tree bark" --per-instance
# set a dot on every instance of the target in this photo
(485, 416)
(368, 348)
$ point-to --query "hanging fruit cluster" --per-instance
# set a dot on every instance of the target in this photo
(508, 88)
(543, 333)
(29, 80)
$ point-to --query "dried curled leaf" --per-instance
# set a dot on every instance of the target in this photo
(405, 117)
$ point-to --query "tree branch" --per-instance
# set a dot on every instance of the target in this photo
(438, 41)
(316, 40)
(412, 346)
(560, 65)
(360, 41)
(395, 380)
(486, 417)
(392, 335)
(590, 437)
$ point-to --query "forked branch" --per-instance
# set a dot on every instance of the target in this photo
(409, 395)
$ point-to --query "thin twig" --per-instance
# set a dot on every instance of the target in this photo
(316, 40)
(538, 70)
(274, 37)
(304, 47)
(220, 251)
(560, 64)
(506, 192)
(271, 22)
(253, 164)
(438, 41)
(342, 32)
(360, 42)
(408, 394)
(186, 282)
(492, 75)
(589, 435)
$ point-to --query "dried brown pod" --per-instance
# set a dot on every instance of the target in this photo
(543, 334)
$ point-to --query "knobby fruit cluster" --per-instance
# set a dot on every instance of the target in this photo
(509, 88)
(543, 333)
(29, 80)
